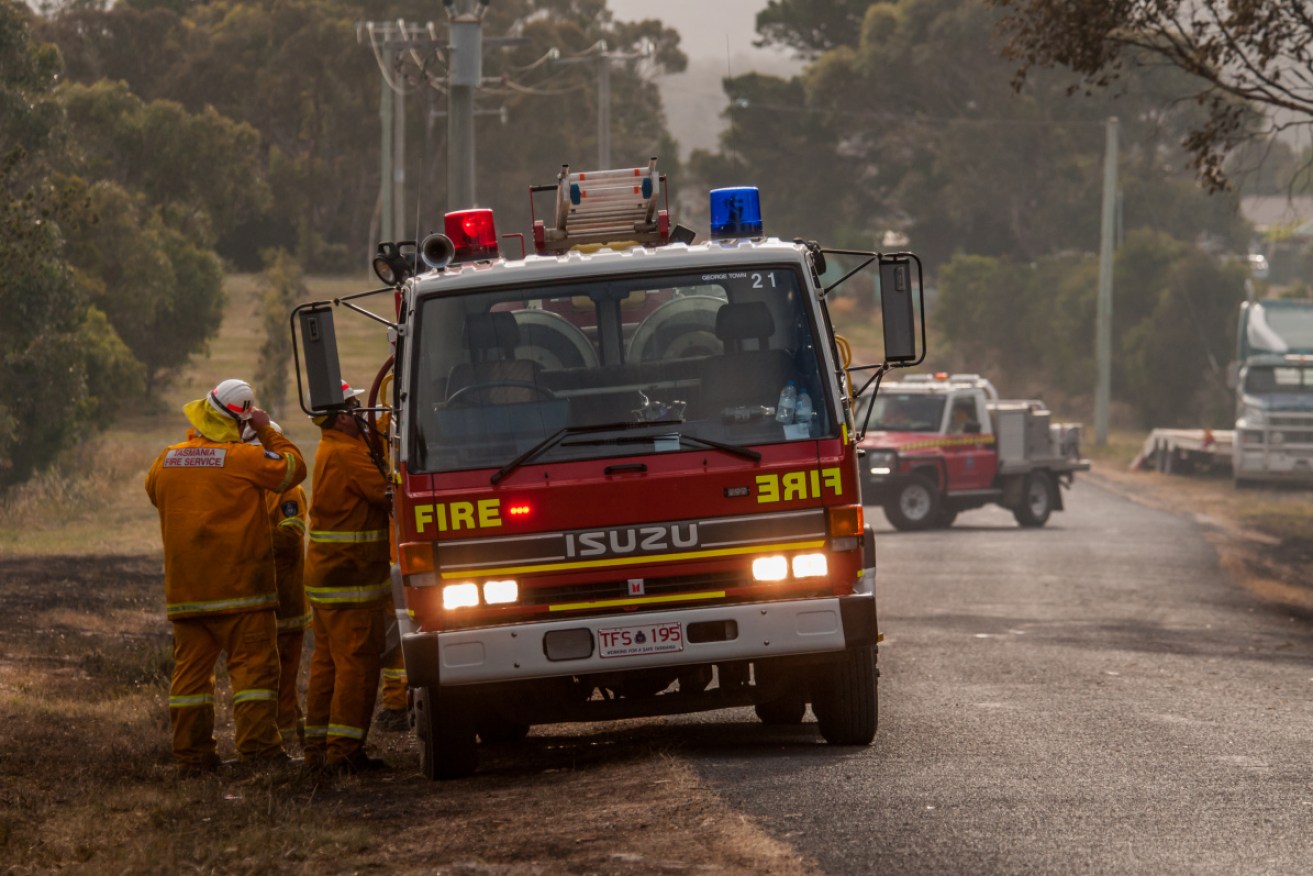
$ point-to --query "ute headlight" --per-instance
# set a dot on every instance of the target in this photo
(460, 596)
(881, 462)
(810, 566)
(774, 568)
(498, 592)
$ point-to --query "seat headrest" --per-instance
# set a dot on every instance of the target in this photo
(485, 332)
(739, 322)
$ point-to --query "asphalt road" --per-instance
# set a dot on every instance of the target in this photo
(1096, 696)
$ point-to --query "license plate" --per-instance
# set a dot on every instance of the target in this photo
(645, 639)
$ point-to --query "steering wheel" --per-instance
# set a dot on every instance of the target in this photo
(468, 392)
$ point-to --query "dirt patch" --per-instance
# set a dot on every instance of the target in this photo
(86, 781)
(1264, 537)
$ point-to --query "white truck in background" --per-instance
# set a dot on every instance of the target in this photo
(1273, 437)
(1274, 393)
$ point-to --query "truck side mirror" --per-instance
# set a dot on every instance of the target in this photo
(318, 344)
(898, 309)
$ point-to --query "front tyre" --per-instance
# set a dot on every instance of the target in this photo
(1036, 500)
(845, 699)
(448, 748)
(914, 504)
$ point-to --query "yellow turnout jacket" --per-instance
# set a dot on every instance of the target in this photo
(214, 521)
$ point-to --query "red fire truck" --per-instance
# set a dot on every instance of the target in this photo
(603, 507)
(934, 445)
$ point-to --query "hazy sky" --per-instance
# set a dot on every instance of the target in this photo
(717, 36)
(706, 27)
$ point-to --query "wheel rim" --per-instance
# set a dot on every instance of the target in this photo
(1038, 499)
(914, 503)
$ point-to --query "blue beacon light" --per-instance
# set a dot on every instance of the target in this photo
(735, 212)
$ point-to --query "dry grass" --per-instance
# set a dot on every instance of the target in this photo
(1264, 537)
(93, 501)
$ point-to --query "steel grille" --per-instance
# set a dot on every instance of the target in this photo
(620, 589)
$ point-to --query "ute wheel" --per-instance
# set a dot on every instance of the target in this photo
(914, 504)
(787, 709)
(1036, 500)
(448, 748)
(845, 700)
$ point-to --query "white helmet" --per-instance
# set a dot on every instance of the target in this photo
(319, 418)
(348, 393)
(234, 398)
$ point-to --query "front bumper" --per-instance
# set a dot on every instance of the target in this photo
(759, 630)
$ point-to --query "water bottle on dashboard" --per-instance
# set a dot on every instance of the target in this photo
(784, 410)
(802, 412)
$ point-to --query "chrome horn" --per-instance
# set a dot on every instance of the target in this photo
(437, 250)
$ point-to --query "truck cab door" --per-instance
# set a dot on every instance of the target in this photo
(969, 445)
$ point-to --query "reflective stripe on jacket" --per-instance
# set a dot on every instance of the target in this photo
(218, 548)
(287, 513)
(347, 558)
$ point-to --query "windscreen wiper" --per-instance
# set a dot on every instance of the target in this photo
(557, 437)
(736, 450)
(695, 440)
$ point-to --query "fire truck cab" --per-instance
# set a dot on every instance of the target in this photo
(599, 508)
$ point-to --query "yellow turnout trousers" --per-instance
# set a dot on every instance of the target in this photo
(394, 670)
(290, 644)
(344, 671)
(250, 640)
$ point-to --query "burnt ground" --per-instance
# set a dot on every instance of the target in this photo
(86, 781)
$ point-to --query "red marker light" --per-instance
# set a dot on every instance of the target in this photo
(473, 234)
(518, 511)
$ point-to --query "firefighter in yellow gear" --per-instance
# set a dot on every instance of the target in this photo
(287, 516)
(219, 578)
(287, 511)
(394, 716)
(347, 580)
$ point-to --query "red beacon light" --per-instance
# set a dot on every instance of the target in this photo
(519, 510)
(473, 235)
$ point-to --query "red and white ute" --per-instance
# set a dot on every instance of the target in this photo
(936, 445)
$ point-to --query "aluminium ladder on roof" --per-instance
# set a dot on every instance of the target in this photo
(603, 206)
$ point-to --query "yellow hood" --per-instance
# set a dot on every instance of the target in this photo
(211, 423)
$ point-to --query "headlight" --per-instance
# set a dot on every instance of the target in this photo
(495, 592)
(774, 568)
(460, 596)
(810, 566)
(881, 462)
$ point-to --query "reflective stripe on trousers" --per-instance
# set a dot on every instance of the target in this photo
(337, 595)
(325, 536)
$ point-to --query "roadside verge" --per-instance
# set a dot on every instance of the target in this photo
(1263, 537)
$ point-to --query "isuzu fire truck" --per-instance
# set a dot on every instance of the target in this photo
(600, 509)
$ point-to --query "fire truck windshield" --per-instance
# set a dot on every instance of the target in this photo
(907, 412)
(701, 357)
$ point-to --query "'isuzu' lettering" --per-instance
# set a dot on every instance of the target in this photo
(633, 540)
(799, 485)
(455, 516)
